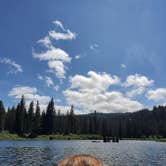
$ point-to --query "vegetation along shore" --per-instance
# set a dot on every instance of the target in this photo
(20, 123)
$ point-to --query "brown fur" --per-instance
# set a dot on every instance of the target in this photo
(81, 160)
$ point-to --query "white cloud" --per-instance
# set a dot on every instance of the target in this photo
(91, 93)
(94, 47)
(58, 68)
(123, 66)
(30, 94)
(62, 36)
(15, 68)
(135, 92)
(45, 41)
(138, 80)
(96, 81)
(157, 94)
(53, 54)
(40, 77)
(65, 109)
(77, 57)
(56, 57)
(56, 87)
(56, 60)
(101, 101)
(49, 81)
(66, 35)
(59, 24)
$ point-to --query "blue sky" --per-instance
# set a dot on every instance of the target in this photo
(107, 55)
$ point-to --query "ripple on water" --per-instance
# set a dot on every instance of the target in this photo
(126, 153)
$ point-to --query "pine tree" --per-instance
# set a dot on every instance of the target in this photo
(37, 121)
(10, 120)
(58, 124)
(72, 122)
(43, 123)
(50, 117)
(95, 122)
(2, 116)
(30, 120)
(21, 117)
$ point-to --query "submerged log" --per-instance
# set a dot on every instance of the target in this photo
(81, 160)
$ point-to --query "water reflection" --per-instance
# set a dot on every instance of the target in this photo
(44, 153)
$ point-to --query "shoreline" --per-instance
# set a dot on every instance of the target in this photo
(70, 137)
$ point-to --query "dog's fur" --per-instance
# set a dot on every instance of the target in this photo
(81, 160)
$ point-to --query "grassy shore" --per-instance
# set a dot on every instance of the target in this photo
(8, 136)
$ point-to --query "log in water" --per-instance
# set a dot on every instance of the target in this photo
(81, 160)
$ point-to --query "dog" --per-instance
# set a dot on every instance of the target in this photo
(81, 160)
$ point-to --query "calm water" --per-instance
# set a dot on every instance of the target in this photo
(126, 153)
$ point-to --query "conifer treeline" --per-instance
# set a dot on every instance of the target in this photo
(32, 121)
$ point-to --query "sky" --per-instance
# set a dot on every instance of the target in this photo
(103, 55)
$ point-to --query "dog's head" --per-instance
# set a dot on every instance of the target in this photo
(81, 160)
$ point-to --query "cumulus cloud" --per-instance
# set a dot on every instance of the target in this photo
(157, 94)
(14, 67)
(138, 80)
(92, 93)
(94, 81)
(138, 83)
(45, 42)
(53, 54)
(101, 101)
(56, 58)
(58, 68)
(30, 94)
(49, 82)
(135, 92)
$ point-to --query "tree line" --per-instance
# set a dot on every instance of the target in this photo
(33, 121)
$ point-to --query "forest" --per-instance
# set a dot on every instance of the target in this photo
(141, 124)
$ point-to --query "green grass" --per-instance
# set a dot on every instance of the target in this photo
(161, 140)
(7, 136)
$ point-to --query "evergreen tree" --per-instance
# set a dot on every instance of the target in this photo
(43, 123)
(72, 121)
(21, 117)
(2, 116)
(50, 117)
(10, 120)
(95, 123)
(37, 121)
(30, 117)
(139, 124)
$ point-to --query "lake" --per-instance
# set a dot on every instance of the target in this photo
(43, 153)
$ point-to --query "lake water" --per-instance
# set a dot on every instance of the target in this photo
(43, 153)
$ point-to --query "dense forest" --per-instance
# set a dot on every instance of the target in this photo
(141, 124)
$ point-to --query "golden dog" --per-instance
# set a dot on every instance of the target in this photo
(81, 160)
